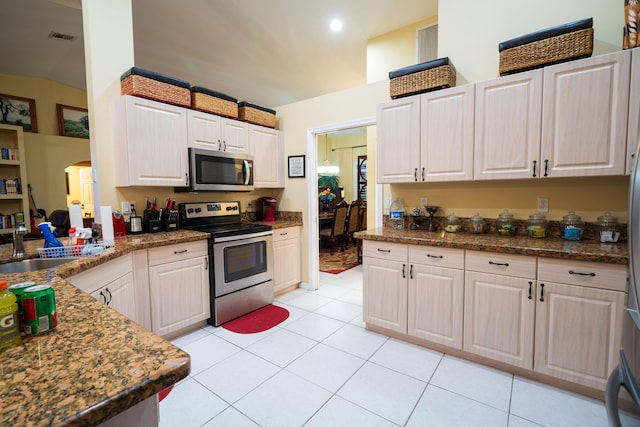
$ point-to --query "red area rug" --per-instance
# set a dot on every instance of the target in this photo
(258, 321)
(164, 393)
(339, 261)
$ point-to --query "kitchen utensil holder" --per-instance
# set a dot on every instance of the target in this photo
(169, 220)
(151, 221)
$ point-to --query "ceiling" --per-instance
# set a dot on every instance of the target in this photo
(269, 52)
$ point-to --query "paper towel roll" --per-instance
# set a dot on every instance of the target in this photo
(107, 225)
(75, 216)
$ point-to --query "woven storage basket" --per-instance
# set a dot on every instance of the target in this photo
(424, 77)
(209, 101)
(155, 86)
(551, 46)
(257, 115)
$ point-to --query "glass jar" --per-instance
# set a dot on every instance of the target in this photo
(452, 224)
(476, 224)
(571, 226)
(607, 228)
(537, 225)
(506, 224)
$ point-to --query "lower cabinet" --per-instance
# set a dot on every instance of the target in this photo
(178, 286)
(119, 295)
(287, 258)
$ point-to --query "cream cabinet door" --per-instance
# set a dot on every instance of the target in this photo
(385, 293)
(398, 140)
(499, 318)
(205, 130)
(578, 332)
(435, 304)
(584, 122)
(287, 258)
(179, 293)
(150, 141)
(446, 134)
(633, 126)
(267, 148)
(235, 136)
(508, 114)
(120, 295)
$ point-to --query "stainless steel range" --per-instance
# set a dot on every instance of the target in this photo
(240, 258)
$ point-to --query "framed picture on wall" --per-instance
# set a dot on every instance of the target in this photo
(73, 121)
(18, 111)
(296, 166)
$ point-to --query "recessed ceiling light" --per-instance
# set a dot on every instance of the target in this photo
(336, 25)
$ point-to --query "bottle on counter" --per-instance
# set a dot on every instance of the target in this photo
(571, 226)
(396, 214)
(537, 225)
(9, 321)
(71, 238)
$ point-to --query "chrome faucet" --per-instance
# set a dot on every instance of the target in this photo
(18, 240)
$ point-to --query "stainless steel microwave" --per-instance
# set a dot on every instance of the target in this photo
(219, 171)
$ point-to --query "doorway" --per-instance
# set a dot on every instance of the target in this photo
(80, 187)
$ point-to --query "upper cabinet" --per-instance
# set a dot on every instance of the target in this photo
(267, 148)
(633, 130)
(212, 132)
(150, 141)
(426, 138)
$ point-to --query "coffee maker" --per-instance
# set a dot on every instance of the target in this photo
(266, 209)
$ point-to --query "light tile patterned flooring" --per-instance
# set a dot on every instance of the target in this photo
(322, 368)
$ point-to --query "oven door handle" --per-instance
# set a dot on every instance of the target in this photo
(238, 237)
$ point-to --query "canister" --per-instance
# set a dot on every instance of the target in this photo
(571, 226)
(607, 228)
(506, 224)
(476, 224)
(452, 223)
(537, 225)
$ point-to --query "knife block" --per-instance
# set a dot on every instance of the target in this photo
(151, 221)
(169, 220)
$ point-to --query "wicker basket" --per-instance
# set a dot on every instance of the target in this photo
(425, 77)
(209, 101)
(155, 86)
(257, 115)
(554, 45)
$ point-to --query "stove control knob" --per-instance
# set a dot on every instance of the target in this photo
(190, 210)
(198, 210)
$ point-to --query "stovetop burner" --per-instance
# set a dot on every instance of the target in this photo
(221, 219)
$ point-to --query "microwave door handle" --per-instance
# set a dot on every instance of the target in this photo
(246, 171)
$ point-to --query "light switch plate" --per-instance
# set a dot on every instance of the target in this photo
(424, 201)
(387, 202)
(543, 204)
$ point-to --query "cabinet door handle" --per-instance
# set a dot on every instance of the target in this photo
(104, 298)
(534, 168)
(592, 274)
(283, 234)
(423, 174)
(411, 271)
(109, 293)
(505, 264)
(387, 251)
(530, 290)
(206, 263)
(186, 179)
(403, 273)
(415, 174)
(541, 292)
(184, 251)
(225, 145)
(546, 166)
(219, 145)
(435, 256)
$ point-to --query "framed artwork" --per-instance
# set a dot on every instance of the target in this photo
(296, 166)
(73, 121)
(18, 111)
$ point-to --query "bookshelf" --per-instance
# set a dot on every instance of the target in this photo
(14, 196)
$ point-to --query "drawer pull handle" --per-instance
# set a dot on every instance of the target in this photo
(206, 263)
(534, 168)
(592, 274)
(184, 251)
(435, 256)
(387, 251)
(505, 264)
(411, 271)
(541, 292)
(403, 274)
(283, 234)
(530, 288)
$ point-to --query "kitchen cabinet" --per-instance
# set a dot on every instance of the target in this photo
(508, 117)
(584, 116)
(211, 132)
(287, 259)
(435, 294)
(267, 148)
(498, 307)
(112, 283)
(633, 126)
(178, 286)
(578, 320)
(150, 143)
(384, 273)
(427, 137)
(12, 138)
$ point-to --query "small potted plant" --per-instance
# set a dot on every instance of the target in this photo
(326, 197)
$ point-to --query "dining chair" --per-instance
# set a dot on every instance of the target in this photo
(352, 221)
(337, 232)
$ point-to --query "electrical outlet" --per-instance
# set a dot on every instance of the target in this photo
(543, 204)
(387, 202)
(424, 201)
(126, 208)
(249, 206)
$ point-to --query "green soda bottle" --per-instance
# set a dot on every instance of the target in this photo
(9, 324)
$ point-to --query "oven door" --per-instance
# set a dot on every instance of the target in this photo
(242, 261)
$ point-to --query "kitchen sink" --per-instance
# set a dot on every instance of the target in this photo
(33, 264)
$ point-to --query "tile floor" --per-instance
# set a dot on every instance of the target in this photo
(322, 368)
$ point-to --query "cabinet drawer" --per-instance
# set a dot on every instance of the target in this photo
(171, 253)
(286, 233)
(503, 264)
(384, 250)
(441, 257)
(583, 273)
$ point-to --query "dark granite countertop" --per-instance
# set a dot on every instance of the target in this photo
(97, 362)
(582, 250)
